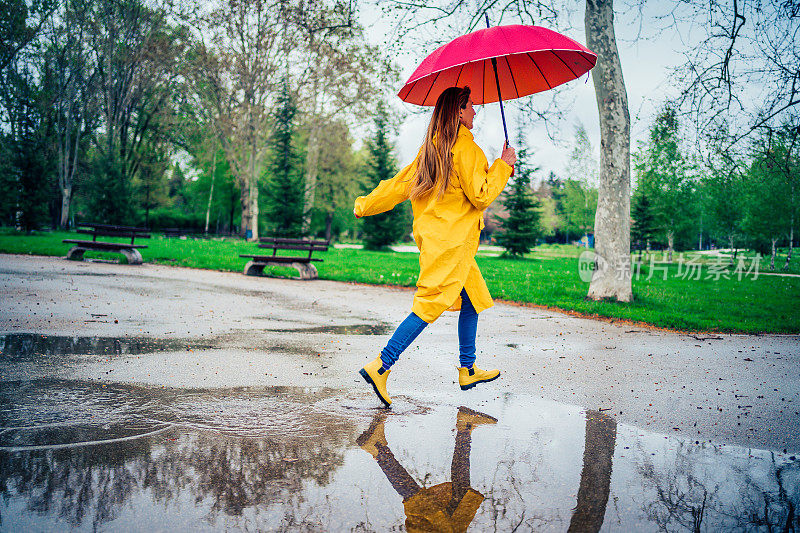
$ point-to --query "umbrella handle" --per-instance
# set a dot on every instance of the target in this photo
(497, 81)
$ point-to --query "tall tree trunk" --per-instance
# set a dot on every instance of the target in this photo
(211, 191)
(147, 207)
(312, 168)
(244, 200)
(66, 197)
(254, 210)
(700, 238)
(253, 194)
(670, 245)
(791, 243)
(772, 259)
(232, 212)
(595, 486)
(328, 225)
(67, 162)
(612, 277)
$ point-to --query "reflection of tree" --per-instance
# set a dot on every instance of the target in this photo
(598, 455)
(507, 509)
(75, 486)
(681, 498)
(772, 507)
(225, 474)
(739, 492)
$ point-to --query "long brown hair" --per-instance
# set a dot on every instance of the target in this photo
(436, 158)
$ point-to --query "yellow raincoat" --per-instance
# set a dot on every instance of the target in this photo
(446, 229)
(428, 510)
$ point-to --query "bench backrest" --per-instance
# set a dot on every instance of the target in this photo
(279, 243)
(110, 230)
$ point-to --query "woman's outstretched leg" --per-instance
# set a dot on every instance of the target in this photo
(377, 372)
(467, 331)
(466, 421)
(470, 375)
(373, 441)
(408, 330)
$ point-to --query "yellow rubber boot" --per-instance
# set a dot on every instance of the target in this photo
(374, 374)
(469, 377)
(373, 438)
(467, 419)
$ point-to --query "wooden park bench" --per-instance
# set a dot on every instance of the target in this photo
(181, 233)
(130, 251)
(255, 267)
(175, 232)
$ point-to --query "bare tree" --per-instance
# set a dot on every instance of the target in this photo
(20, 24)
(781, 148)
(342, 79)
(612, 278)
(75, 95)
(139, 58)
(239, 71)
(746, 75)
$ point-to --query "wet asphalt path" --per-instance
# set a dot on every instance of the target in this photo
(189, 328)
(150, 398)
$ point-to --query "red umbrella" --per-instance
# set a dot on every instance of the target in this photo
(511, 61)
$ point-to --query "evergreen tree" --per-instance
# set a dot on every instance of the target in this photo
(556, 216)
(520, 230)
(725, 202)
(285, 193)
(108, 194)
(767, 204)
(644, 223)
(663, 174)
(152, 189)
(339, 179)
(177, 186)
(381, 230)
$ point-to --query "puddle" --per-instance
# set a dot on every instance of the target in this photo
(25, 345)
(285, 458)
(21, 346)
(353, 329)
(54, 413)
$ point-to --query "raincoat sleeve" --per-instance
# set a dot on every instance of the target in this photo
(387, 194)
(480, 182)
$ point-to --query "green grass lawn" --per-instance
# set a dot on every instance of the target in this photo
(548, 277)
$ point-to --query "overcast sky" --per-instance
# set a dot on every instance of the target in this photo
(646, 65)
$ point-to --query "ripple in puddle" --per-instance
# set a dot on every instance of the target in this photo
(289, 458)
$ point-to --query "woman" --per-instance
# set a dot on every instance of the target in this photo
(450, 184)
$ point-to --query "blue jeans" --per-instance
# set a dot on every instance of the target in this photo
(412, 326)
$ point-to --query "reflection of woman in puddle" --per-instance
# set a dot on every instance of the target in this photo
(450, 184)
(444, 507)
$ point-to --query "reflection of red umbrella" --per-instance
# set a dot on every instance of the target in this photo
(511, 61)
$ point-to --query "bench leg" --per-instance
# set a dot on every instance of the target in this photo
(306, 270)
(133, 256)
(254, 269)
(76, 253)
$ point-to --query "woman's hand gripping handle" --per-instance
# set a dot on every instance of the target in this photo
(509, 155)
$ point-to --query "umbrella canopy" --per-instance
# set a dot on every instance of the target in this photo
(530, 59)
